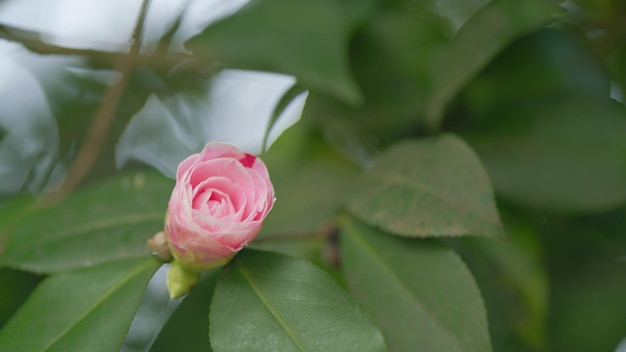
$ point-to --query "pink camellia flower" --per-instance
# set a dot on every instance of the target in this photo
(221, 197)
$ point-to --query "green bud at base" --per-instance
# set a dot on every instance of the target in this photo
(180, 280)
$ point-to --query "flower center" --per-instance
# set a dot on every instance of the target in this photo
(215, 202)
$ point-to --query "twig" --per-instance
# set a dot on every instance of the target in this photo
(32, 41)
(98, 131)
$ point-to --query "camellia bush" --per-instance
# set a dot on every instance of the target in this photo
(456, 183)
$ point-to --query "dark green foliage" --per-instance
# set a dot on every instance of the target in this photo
(458, 179)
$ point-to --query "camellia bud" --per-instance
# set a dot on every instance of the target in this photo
(158, 244)
(219, 202)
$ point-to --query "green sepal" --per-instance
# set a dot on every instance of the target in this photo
(180, 280)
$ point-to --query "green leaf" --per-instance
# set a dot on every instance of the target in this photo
(568, 154)
(271, 302)
(451, 13)
(617, 64)
(428, 188)
(311, 182)
(307, 39)
(11, 210)
(17, 286)
(566, 135)
(482, 37)
(293, 92)
(308, 198)
(83, 310)
(108, 221)
(513, 280)
(392, 58)
(585, 257)
(187, 329)
(456, 12)
(545, 66)
(162, 133)
(420, 291)
(588, 312)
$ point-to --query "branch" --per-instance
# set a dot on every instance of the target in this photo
(98, 131)
(32, 41)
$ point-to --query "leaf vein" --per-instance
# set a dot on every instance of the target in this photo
(123, 280)
(270, 307)
(91, 226)
(385, 266)
(419, 185)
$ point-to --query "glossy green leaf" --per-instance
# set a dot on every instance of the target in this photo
(428, 188)
(482, 37)
(452, 13)
(271, 302)
(392, 58)
(308, 198)
(17, 286)
(311, 182)
(420, 291)
(585, 256)
(29, 149)
(588, 312)
(617, 64)
(456, 12)
(163, 133)
(108, 221)
(514, 282)
(565, 156)
(187, 329)
(88, 309)
(545, 67)
(10, 212)
(307, 39)
(293, 92)
(564, 132)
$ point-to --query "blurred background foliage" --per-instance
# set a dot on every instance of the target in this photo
(535, 87)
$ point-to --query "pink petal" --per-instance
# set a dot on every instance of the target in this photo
(226, 167)
(225, 188)
(185, 165)
(214, 150)
(248, 160)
